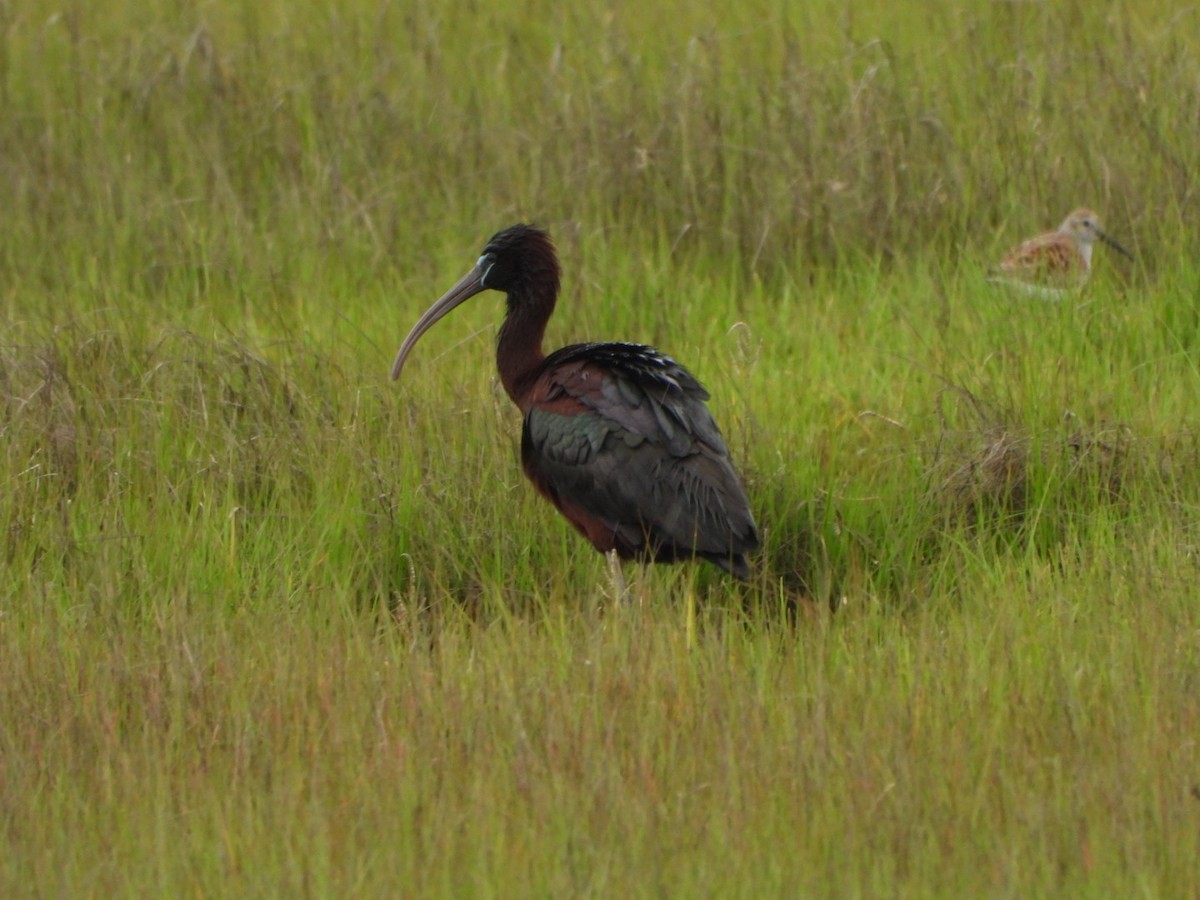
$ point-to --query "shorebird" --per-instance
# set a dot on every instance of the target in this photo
(1058, 261)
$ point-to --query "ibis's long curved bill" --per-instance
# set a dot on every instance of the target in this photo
(467, 286)
(1104, 237)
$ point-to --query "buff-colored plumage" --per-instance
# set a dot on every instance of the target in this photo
(1058, 260)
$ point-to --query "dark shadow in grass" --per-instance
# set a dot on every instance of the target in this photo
(808, 549)
(984, 483)
(990, 477)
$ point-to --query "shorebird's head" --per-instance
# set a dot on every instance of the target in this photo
(1083, 226)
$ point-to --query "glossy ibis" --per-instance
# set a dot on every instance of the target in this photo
(1052, 263)
(617, 436)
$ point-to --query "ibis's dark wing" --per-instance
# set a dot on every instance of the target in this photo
(618, 437)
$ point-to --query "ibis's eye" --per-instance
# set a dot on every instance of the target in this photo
(485, 262)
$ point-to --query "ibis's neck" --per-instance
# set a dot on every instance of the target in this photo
(519, 345)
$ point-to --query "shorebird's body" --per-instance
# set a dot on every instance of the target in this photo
(1058, 261)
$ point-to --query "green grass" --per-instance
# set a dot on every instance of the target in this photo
(272, 624)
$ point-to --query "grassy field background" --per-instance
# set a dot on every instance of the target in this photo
(270, 623)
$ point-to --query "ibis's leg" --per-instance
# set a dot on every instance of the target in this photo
(620, 588)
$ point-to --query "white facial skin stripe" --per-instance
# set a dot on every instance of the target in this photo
(478, 264)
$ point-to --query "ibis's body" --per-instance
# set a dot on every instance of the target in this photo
(616, 436)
